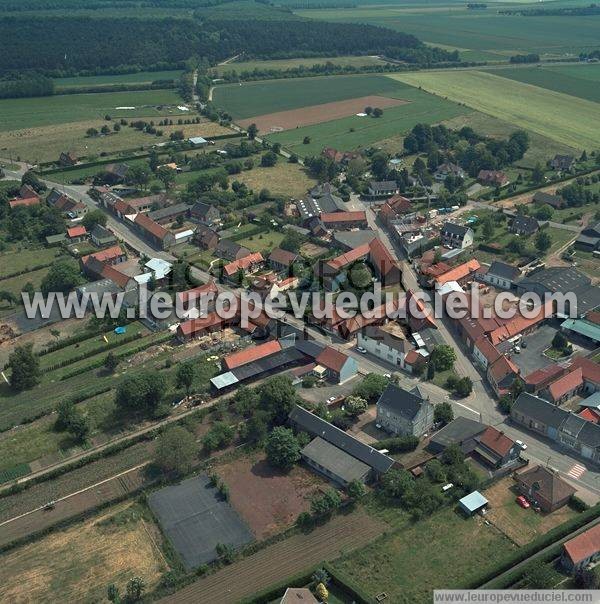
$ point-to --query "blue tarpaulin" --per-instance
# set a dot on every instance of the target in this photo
(120, 330)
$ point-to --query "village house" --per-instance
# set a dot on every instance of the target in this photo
(102, 237)
(523, 225)
(230, 250)
(448, 169)
(404, 412)
(344, 221)
(205, 213)
(456, 236)
(501, 275)
(386, 342)
(339, 157)
(544, 488)
(589, 238)
(115, 173)
(246, 265)
(564, 388)
(554, 201)
(339, 367)
(67, 159)
(562, 163)
(496, 449)
(382, 189)
(583, 550)
(205, 238)
(77, 234)
(27, 197)
(282, 260)
(155, 233)
(492, 178)
(169, 214)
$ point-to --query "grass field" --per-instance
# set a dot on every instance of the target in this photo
(449, 24)
(353, 132)
(565, 119)
(24, 259)
(280, 64)
(444, 551)
(60, 109)
(142, 77)
(263, 97)
(77, 564)
(286, 179)
(581, 81)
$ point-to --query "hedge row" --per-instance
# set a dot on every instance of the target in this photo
(30, 269)
(100, 362)
(258, 230)
(95, 351)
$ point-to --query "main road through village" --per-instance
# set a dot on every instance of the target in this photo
(480, 405)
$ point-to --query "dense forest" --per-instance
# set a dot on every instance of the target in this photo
(86, 44)
(575, 11)
(19, 87)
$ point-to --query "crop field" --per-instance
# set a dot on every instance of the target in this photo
(565, 119)
(285, 558)
(290, 180)
(354, 132)
(263, 97)
(582, 81)
(282, 64)
(60, 109)
(142, 77)
(77, 564)
(411, 562)
(449, 24)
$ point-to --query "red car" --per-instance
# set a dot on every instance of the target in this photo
(523, 502)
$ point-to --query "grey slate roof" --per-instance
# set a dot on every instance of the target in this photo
(168, 211)
(556, 201)
(402, 402)
(525, 223)
(503, 270)
(455, 229)
(539, 409)
(314, 425)
(590, 435)
(457, 431)
(383, 186)
(353, 239)
(335, 460)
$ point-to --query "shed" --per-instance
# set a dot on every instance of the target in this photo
(472, 503)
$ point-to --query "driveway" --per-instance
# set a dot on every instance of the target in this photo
(531, 358)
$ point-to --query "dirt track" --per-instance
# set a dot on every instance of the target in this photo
(315, 114)
(284, 559)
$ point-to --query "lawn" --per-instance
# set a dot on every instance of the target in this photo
(15, 285)
(264, 97)
(281, 64)
(59, 109)
(77, 564)
(24, 259)
(264, 242)
(565, 119)
(551, 78)
(446, 551)
(354, 132)
(141, 77)
(289, 180)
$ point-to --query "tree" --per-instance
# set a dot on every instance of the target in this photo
(166, 175)
(225, 552)
(175, 450)
(371, 387)
(135, 588)
(396, 483)
(111, 362)
(537, 174)
(464, 387)
(321, 576)
(435, 471)
(452, 456)
(283, 448)
(185, 376)
(252, 131)
(443, 413)
(377, 112)
(321, 592)
(91, 219)
(559, 341)
(255, 430)
(326, 504)
(368, 110)
(356, 489)
(268, 159)
(70, 419)
(544, 213)
(278, 397)
(112, 594)
(63, 276)
(430, 371)
(142, 392)
(360, 276)
(6, 296)
(24, 366)
(306, 140)
(355, 406)
(443, 357)
(488, 228)
(91, 132)
(220, 435)
(543, 241)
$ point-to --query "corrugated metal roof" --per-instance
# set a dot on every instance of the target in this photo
(589, 330)
(473, 501)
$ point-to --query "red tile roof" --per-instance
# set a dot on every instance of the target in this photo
(196, 292)
(565, 384)
(590, 415)
(194, 326)
(487, 349)
(358, 216)
(109, 253)
(381, 257)
(502, 367)
(282, 257)
(583, 546)
(518, 324)
(412, 357)
(496, 441)
(252, 353)
(343, 260)
(27, 202)
(28, 192)
(593, 317)
(116, 276)
(77, 231)
(544, 375)
(459, 272)
(147, 224)
(332, 359)
(243, 263)
(589, 369)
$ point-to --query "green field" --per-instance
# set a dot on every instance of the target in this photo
(59, 109)
(281, 64)
(452, 24)
(446, 551)
(565, 119)
(142, 77)
(263, 97)
(582, 81)
(353, 131)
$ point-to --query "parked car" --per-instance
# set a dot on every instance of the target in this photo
(361, 350)
(521, 444)
(387, 375)
(331, 399)
(523, 502)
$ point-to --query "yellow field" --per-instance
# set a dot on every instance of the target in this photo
(77, 564)
(290, 180)
(563, 118)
